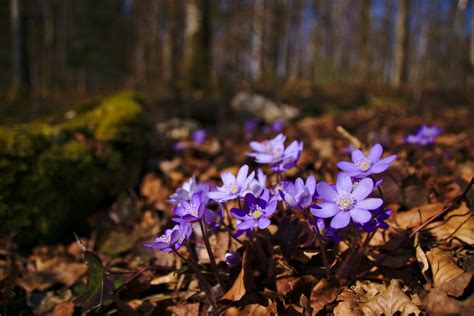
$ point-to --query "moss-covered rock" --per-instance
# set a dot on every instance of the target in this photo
(51, 175)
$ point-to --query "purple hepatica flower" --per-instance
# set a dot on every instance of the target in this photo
(250, 126)
(299, 195)
(277, 126)
(269, 151)
(363, 166)
(424, 136)
(378, 220)
(232, 259)
(233, 187)
(172, 239)
(190, 211)
(185, 192)
(256, 215)
(214, 219)
(346, 201)
(290, 157)
(199, 136)
(257, 186)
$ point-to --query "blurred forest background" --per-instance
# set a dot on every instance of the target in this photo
(57, 51)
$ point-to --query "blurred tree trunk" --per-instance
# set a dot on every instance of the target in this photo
(197, 54)
(400, 43)
(364, 33)
(19, 56)
(257, 40)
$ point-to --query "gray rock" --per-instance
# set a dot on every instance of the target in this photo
(260, 106)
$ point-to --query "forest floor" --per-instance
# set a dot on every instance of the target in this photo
(408, 268)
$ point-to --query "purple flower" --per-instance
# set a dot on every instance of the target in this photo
(233, 187)
(199, 136)
(277, 126)
(257, 186)
(214, 218)
(269, 151)
(232, 259)
(250, 126)
(346, 202)
(290, 157)
(256, 215)
(299, 195)
(424, 136)
(190, 211)
(172, 239)
(187, 190)
(362, 166)
(378, 220)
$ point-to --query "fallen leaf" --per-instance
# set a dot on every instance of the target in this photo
(369, 298)
(422, 258)
(63, 309)
(238, 289)
(289, 236)
(417, 216)
(185, 309)
(50, 303)
(324, 293)
(438, 302)
(46, 273)
(391, 301)
(458, 225)
(446, 274)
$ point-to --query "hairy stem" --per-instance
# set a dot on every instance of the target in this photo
(210, 253)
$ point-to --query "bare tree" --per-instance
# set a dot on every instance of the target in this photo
(19, 71)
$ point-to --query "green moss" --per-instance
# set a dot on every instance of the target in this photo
(51, 176)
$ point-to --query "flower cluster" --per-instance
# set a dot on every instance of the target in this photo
(273, 152)
(425, 135)
(329, 208)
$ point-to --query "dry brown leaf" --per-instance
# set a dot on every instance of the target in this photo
(46, 273)
(238, 289)
(421, 258)
(446, 274)
(438, 302)
(375, 299)
(324, 293)
(185, 309)
(417, 215)
(458, 225)
(391, 301)
(63, 309)
(253, 309)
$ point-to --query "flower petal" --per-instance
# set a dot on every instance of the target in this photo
(341, 220)
(363, 189)
(219, 196)
(311, 184)
(389, 159)
(228, 178)
(343, 183)
(271, 207)
(326, 210)
(347, 166)
(357, 155)
(250, 200)
(360, 216)
(246, 225)
(369, 204)
(375, 153)
(379, 167)
(326, 191)
(263, 223)
(242, 174)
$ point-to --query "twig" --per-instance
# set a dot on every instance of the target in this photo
(444, 210)
(356, 142)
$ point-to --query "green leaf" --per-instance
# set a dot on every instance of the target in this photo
(92, 297)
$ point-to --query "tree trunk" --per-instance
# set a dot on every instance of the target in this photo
(364, 52)
(19, 75)
(400, 44)
(257, 40)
